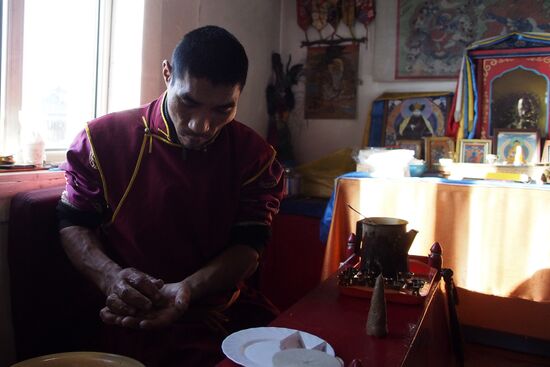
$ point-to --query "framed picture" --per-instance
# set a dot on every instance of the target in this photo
(331, 82)
(415, 118)
(407, 116)
(431, 37)
(546, 152)
(474, 150)
(437, 148)
(525, 144)
(415, 145)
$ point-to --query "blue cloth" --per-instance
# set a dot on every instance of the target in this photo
(327, 217)
(303, 206)
(377, 126)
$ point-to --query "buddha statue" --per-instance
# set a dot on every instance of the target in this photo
(526, 114)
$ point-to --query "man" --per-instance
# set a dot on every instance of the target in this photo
(167, 207)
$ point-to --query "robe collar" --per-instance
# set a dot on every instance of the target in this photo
(159, 120)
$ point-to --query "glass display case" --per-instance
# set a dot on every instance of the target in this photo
(513, 87)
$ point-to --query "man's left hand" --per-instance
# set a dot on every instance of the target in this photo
(172, 305)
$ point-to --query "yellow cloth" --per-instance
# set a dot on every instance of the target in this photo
(317, 177)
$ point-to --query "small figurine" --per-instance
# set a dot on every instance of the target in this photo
(434, 258)
(545, 176)
(377, 323)
(526, 113)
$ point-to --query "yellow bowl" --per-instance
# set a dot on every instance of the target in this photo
(80, 359)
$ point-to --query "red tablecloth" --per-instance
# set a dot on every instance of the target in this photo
(341, 321)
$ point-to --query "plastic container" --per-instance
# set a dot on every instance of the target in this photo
(379, 162)
(33, 151)
(291, 183)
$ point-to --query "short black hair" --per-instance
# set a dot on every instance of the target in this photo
(213, 53)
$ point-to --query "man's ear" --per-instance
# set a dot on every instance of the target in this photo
(166, 72)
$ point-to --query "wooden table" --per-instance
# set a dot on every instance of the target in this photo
(418, 334)
(494, 236)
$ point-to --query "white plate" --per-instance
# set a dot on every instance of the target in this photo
(255, 347)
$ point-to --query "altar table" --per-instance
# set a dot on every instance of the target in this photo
(418, 334)
(495, 237)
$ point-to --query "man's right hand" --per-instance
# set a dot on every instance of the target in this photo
(174, 303)
(131, 292)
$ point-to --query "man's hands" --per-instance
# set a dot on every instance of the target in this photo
(133, 298)
(137, 300)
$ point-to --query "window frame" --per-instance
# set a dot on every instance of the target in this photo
(12, 22)
(12, 73)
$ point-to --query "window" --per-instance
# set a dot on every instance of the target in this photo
(64, 63)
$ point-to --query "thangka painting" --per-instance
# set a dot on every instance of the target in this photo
(331, 83)
(415, 118)
(432, 34)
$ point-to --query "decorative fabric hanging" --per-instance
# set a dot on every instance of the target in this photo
(319, 14)
(334, 14)
(303, 14)
(365, 11)
(348, 15)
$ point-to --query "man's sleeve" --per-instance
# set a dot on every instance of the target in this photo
(261, 195)
(82, 202)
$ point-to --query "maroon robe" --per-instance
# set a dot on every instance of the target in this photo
(170, 211)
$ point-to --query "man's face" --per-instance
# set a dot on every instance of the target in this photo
(198, 108)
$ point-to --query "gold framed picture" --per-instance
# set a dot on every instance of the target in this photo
(474, 150)
(508, 143)
(436, 148)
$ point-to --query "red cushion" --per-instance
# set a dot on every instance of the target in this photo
(54, 309)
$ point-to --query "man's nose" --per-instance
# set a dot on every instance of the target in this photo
(199, 124)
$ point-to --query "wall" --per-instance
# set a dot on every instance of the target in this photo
(264, 26)
(315, 138)
(254, 23)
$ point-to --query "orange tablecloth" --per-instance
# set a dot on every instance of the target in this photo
(496, 239)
